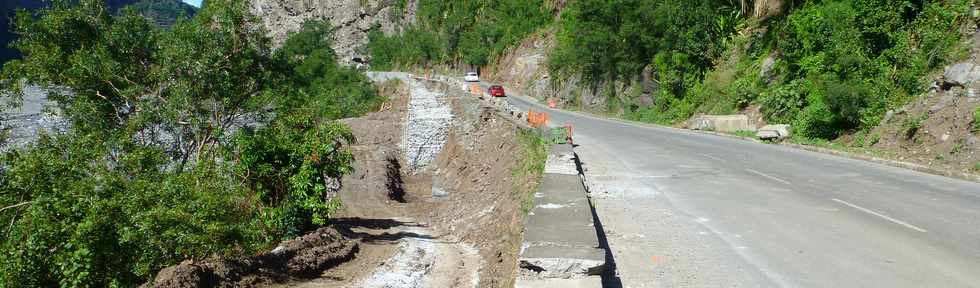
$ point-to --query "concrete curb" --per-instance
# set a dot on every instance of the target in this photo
(560, 239)
(561, 244)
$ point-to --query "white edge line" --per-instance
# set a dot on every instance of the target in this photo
(770, 177)
(713, 157)
(893, 220)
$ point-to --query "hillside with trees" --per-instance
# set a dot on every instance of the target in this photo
(163, 13)
(828, 68)
(469, 32)
(184, 143)
(836, 65)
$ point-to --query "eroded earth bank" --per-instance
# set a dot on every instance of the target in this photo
(434, 201)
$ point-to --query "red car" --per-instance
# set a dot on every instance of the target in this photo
(497, 91)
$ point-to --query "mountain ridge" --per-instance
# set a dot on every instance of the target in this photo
(161, 12)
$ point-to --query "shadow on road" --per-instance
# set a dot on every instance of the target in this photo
(374, 230)
(610, 278)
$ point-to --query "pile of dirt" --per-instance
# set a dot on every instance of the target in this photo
(301, 258)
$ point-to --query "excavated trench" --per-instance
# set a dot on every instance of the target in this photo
(439, 165)
(431, 203)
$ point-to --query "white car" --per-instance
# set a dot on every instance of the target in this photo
(471, 77)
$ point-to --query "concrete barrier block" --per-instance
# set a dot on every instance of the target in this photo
(723, 123)
(590, 282)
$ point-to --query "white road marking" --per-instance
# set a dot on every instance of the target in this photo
(773, 178)
(893, 220)
(713, 157)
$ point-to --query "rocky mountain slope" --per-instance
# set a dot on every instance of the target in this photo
(352, 19)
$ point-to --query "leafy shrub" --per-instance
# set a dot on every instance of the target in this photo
(975, 125)
(86, 222)
(744, 91)
(816, 120)
(291, 165)
(782, 103)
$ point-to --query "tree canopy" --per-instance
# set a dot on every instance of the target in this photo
(188, 142)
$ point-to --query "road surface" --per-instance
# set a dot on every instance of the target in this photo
(684, 209)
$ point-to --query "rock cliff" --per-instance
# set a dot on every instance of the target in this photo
(353, 19)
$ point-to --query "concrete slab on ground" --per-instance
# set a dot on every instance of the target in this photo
(593, 281)
(560, 239)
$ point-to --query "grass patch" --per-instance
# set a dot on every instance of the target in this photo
(826, 144)
(744, 133)
(527, 173)
(975, 126)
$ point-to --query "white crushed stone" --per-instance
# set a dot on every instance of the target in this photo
(424, 262)
(426, 127)
(407, 268)
(550, 206)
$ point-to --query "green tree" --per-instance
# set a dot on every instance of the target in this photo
(468, 31)
(191, 142)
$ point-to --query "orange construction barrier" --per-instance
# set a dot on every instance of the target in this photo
(475, 89)
(536, 119)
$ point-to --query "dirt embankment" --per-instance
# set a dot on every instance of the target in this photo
(303, 257)
(940, 128)
(455, 222)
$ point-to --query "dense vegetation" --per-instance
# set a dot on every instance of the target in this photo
(189, 142)
(162, 12)
(468, 31)
(840, 64)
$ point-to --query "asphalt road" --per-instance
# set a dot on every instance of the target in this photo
(684, 209)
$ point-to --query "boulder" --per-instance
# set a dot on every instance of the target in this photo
(961, 74)
(773, 132)
(765, 71)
